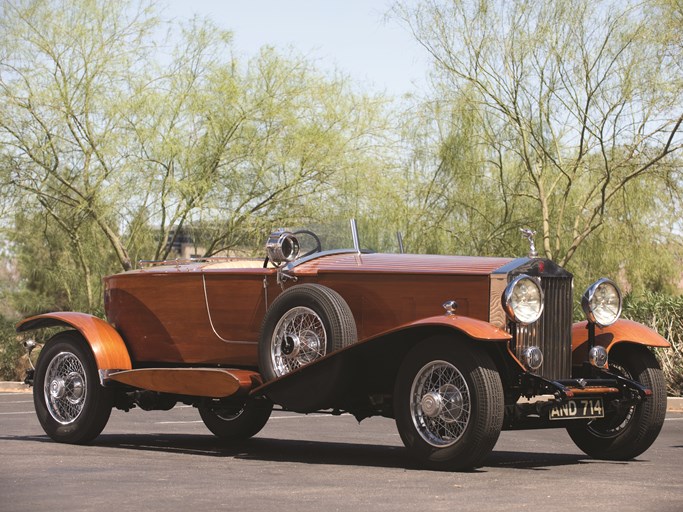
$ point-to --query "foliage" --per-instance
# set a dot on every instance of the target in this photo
(665, 315)
(112, 146)
(10, 351)
(560, 116)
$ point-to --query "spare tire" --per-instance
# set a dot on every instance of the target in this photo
(305, 323)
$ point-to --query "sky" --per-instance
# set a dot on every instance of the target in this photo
(351, 36)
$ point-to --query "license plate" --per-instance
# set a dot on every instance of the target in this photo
(578, 409)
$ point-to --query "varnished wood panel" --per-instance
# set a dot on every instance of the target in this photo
(497, 313)
(164, 318)
(208, 382)
(237, 304)
(382, 302)
(402, 264)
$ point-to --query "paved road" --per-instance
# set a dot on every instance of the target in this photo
(169, 461)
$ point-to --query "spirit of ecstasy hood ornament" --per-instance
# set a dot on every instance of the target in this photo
(529, 235)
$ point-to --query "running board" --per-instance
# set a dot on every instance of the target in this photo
(207, 382)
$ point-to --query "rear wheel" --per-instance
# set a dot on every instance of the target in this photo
(448, 402)
(628, 431)
(239, 422)
(70, 403)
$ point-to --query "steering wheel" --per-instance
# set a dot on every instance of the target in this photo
(318, 245)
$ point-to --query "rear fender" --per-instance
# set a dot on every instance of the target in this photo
(105, 342)
(621, 331)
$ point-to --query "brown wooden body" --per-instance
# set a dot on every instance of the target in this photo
(212, 313)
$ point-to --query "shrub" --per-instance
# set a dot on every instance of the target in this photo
(11, 352)
(663, 313)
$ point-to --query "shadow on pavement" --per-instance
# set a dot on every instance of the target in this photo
(306, 452)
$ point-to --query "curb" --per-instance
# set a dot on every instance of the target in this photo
(673, 404)
(14, 387)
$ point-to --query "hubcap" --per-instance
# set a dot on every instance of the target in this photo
(440, 403)
(65, 388)
(298, 339)
(431, 404)
(57, 388)
(290, 345)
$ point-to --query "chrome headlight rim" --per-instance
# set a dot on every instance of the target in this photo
(588, 296)
(508, 298)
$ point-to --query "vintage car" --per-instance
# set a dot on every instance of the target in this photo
(454, 348)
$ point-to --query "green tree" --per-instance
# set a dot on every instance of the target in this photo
(566, 115)
(114, 140)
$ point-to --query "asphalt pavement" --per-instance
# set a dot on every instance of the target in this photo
(169, 461)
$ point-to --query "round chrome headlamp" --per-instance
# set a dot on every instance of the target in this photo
(523, 300)
(282, 247)
(602, 302)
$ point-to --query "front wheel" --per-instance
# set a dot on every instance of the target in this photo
(628, 431)
(448, 403)
(238, 422)
(70, 403)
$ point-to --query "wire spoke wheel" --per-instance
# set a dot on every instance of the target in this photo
(448, 403)
(65, 388)
(298, 339)
(71, 404)
(440, 403)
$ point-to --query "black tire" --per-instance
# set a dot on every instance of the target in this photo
(237, 423)
(449, 404)
(71, 405)
(305, 323)
(625, 434)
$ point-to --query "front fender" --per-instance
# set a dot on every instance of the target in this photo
(105, 342)
(473, 328)
(621, 331)
(366, 367)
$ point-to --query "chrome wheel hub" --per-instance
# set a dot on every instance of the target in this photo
(298, 339)
(57, 388)
(431, 404)
(290, 345)
(76, 387)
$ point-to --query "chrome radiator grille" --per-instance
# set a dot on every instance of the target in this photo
(553, 332)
